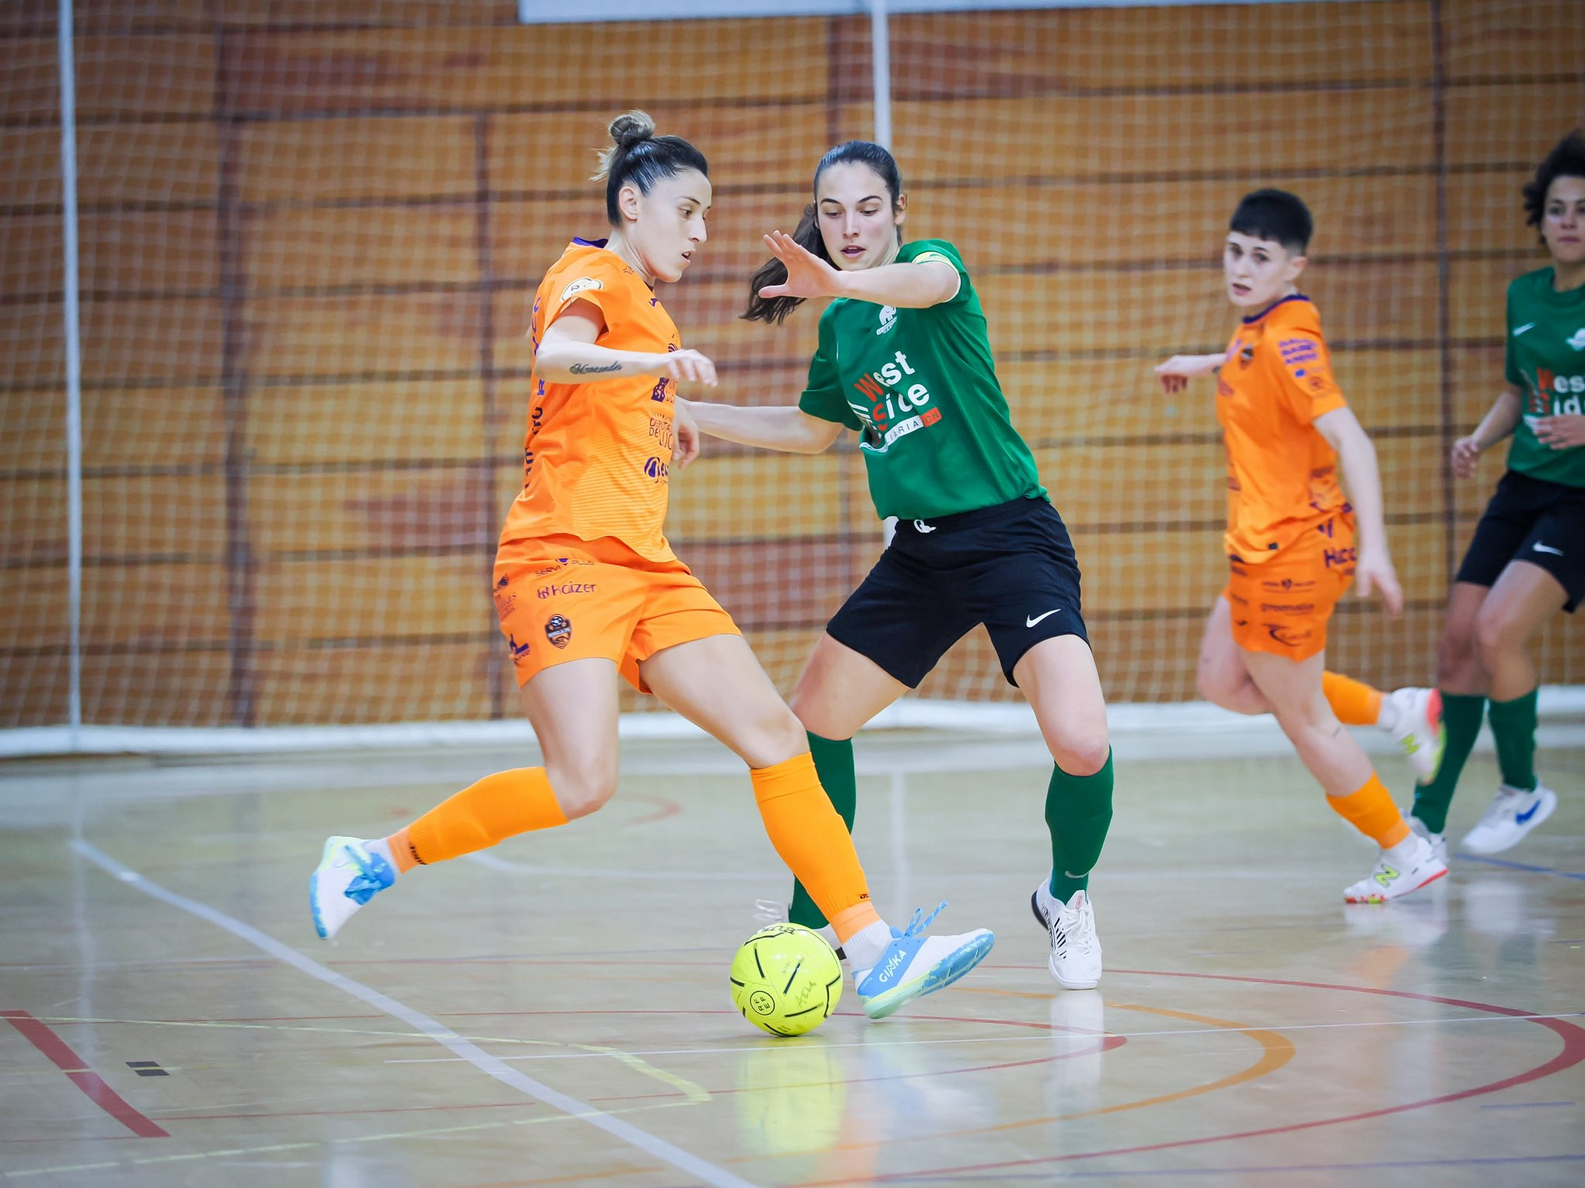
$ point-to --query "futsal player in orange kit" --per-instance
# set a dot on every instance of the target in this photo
(587, 588)
(1291, 534)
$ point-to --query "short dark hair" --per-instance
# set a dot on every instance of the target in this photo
(774, 272)
(1276, 215)
(637, 155)
(1567, 159)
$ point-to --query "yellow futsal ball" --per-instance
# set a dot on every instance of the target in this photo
(786, 980)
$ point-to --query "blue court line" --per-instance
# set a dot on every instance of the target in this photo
(1525, 866)
(1133, 1174)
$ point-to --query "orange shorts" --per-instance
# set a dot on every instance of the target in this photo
(1281, 606)
(562, 598)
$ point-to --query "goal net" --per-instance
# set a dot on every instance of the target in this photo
(310, 233)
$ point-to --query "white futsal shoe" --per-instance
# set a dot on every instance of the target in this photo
(1438, 840)
(1075, 948)
(347, 877)
(914, 964)
(1417, 725)
(1513, 813)
(1395, 876)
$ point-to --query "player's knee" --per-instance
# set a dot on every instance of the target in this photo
(1082, 753)
(584, 787)
(1494, 634)
(770, 737)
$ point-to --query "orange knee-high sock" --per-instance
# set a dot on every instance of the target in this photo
(1371, 811)
(1354, 702)
(497, 807)
(814, 843)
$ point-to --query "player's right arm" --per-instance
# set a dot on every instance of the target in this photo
(568, 353)
(786, 427)
(1177, 371)
(1499, 422)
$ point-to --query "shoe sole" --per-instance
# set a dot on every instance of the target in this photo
(1543, 810)
(1389, 898)
(1067, 985)
(941, 975)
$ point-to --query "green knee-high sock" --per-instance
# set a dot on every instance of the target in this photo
(834, 765)
(1078, 813)
(1513, 729)
(1461, 715)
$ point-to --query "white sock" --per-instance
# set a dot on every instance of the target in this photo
(1387, 715)
(382, 847)
(864, 947)
(1404, 850)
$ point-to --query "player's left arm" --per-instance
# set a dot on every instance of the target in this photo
(916, 285)
(1362, 475)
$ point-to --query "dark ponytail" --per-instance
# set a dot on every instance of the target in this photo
(774, 272)
(637, 155)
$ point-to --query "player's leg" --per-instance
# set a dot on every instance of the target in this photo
(1353, 789)
(1059, 677)
(573, 709)
(1222, 677)
(716, 683)
(1525, 597)
(839, 691)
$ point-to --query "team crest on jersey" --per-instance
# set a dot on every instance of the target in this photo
(888, 320)
(1247, 355)
(582, 285)
(558, 630)
(1578, 341)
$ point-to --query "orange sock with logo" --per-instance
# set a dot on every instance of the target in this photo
(814, 843)
(1354, 702)
(497, 807)
(1371, 811)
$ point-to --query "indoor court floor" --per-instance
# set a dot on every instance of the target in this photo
(555, 1011)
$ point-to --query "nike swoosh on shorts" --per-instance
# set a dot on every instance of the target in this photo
(1031, 620)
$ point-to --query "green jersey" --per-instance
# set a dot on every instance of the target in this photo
(1546, 362)
(920, 387)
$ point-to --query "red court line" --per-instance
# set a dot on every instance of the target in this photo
(1573, 1052)
(91, 1083)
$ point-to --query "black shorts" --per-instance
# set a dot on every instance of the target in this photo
(1010, 567)
(1531, 519)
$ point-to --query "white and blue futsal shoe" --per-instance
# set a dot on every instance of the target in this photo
(347, 877)
(914, 965)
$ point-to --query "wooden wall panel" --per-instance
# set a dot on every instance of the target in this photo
(372, 423)
(758, 496)
(153, 163)
(954, 55)
(171, 339)
(374, 683)
(170, 687)
(375, 334)
(1485, 213)
(353, 159)
(1478, 296)
(32, 345)
(1137, 484)
(1388, 128)
(294, 248)
(154, 604)
(1493, 41)
(1510, 124)
(356, 512)
(1091, 223)
(153, 74)
(37, 688)
(372, 598)
(1135, 571)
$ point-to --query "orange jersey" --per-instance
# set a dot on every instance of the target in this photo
(597, 458)
(1281, 473)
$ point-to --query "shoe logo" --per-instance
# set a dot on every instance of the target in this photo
(1524, 817)
(1518, 330)
(891, 966)
(1031, 620)
(1386, 875)
(1541, 548)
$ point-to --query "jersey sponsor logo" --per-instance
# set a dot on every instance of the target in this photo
(657, 470)
(1287, 608)
(561, 563)
(1555, 395)
(1577, 339)
(661, 429)
(584, 284)
(558, 630)
(1288, 636)
(1518, 330)
(1284, 584)
(888, 320)
(1299, 350)
(1338, 557)
(885, 400)
(557, 589)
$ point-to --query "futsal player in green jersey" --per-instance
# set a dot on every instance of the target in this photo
(1527, 560)
(904, 358)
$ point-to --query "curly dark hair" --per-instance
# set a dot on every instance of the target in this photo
(1567, 159)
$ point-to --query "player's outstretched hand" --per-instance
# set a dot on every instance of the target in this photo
(1177, 371)
(807, 274)
(688, 438)
(1562, 432)
(1374, 571)
(1465, 456)
(687, 365)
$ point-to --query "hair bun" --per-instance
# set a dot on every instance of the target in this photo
(630, 128)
